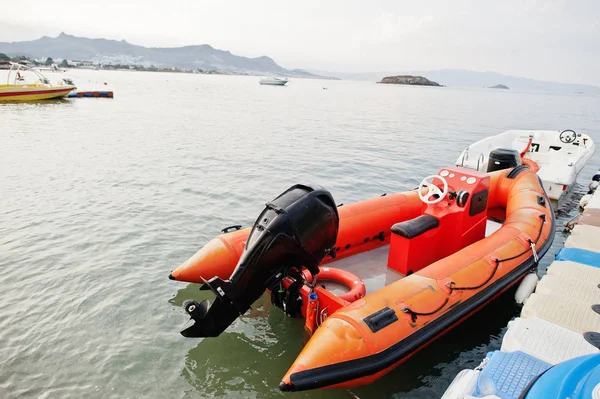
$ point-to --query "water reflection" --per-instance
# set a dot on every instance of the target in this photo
(17, 106)
(250, 357)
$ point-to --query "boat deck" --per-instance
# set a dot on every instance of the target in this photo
(371, 266)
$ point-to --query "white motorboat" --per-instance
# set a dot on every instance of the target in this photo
(557, 156)
(273, 81)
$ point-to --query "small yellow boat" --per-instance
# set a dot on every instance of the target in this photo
(16, 89)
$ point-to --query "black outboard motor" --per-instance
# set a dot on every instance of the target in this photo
(298, 228)
(503, 158)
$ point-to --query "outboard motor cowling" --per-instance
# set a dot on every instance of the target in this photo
(503, 158)
(297, 229)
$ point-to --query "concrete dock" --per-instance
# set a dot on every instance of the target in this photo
(559, 322)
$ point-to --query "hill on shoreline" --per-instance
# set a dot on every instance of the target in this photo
(463, 77)
(105, 51)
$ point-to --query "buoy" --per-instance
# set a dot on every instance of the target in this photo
(526, 288)
(354, 284)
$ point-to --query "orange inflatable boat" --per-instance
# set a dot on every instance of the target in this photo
(413, 265)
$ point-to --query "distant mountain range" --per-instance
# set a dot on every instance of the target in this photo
(106, 51)
(208, 58)
(461, 77)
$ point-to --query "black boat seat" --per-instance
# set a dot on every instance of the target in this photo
(415, 227)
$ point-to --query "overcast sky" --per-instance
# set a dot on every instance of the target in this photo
(555, 40)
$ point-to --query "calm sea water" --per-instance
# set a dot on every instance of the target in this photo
(100, 199)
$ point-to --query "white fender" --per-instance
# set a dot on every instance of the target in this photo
(463, 385)
(584, 200)
(526, 287)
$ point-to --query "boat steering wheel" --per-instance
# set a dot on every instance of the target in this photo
(568, 136)
(432, 190)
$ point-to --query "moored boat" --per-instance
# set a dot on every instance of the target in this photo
(415, 264)
(559, 156)
(41, 89)
(273, 81)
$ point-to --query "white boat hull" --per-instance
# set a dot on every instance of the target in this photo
(273, 82)
(559, 162)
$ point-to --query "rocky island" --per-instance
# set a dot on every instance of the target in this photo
(409, 80)
(499, 87)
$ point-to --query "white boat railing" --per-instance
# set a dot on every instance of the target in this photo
(479, 161)
(465, 159)
(14, 70)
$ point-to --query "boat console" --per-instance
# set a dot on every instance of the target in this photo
(455, 217)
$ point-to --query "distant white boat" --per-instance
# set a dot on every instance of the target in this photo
(557, 156)
(273, 81)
